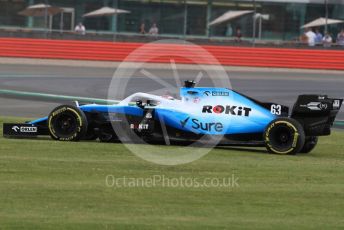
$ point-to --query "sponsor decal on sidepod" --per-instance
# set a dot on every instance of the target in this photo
(232, 110)
(206, 126)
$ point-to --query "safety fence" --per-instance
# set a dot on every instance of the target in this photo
(180, 53)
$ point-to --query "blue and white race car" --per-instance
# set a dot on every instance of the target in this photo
(208, 115)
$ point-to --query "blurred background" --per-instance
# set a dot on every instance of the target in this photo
(262, 21)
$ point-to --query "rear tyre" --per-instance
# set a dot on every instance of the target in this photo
(284, 136)
(67, 123)
(310, 144)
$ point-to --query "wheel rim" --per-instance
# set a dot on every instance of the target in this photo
(282, 137)
(65, 124)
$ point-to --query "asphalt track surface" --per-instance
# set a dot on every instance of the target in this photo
(265, 85)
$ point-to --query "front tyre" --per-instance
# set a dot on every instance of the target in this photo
(67, 123)
(284, 136)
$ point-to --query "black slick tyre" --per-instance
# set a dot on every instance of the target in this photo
(284, 136)
(67, 123)
(310, 144)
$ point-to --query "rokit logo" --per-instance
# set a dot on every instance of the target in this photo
(139, 126)
(205, 126)
(232, 110)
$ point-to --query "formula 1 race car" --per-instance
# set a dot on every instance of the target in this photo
(200, 115)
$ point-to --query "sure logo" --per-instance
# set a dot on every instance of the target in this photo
(231, 110)
(207, 126)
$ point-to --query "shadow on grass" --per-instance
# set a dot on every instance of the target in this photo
(252, 149)
(243, 149)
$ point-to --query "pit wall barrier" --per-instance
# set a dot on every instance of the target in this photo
(180, 53)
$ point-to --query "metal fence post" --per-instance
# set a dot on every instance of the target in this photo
(254, 23)
(46, 19)
(185, 18)
(209, 7)
(326, 13)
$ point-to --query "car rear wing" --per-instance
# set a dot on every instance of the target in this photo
(316, 113)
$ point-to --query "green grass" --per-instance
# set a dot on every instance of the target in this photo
(53, 185)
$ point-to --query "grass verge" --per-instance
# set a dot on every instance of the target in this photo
(59, 185)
